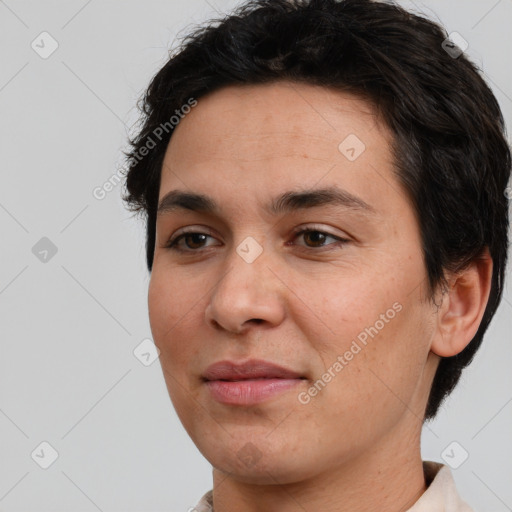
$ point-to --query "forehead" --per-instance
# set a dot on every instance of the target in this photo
(273, 137)
(276, 118)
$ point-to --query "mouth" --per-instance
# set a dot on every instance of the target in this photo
(249, 383)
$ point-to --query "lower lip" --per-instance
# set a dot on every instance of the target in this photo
(247, 392)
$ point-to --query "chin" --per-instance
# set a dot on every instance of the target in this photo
(258, 463)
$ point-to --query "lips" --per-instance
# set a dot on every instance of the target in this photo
(253, 369)
(249, 383)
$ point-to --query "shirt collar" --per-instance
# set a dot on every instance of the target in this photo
(441, 494)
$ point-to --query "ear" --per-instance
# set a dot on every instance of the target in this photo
(463, 306)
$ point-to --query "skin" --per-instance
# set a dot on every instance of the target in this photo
(300, 304)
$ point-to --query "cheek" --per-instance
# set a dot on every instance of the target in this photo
(160, 310)
(170, 309)
(379, 300)
(378, 325)
(353, 307)
(171, 314)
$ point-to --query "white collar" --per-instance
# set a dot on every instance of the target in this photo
(441, 494)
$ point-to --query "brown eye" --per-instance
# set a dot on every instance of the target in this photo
(193, 241)
(315, 238)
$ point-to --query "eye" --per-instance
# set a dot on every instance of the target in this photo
(193, 240)
(316, 238)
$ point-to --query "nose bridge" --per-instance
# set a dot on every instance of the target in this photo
(247, 291)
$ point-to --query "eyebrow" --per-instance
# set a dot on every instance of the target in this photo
(284, 203)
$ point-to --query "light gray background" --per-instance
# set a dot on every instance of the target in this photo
(68, 375)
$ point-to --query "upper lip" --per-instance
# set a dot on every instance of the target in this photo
(252, 369)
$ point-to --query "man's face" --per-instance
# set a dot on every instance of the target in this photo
(348, 317)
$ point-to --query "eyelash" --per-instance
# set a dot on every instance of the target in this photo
(173, 243)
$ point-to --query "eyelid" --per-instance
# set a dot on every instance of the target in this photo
(317, 227)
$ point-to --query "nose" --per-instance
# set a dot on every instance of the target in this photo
(247, 294)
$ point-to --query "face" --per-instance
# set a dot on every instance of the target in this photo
(328, 286)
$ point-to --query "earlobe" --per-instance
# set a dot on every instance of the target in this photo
(463, 306)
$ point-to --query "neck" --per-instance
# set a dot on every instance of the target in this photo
(389, 478)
